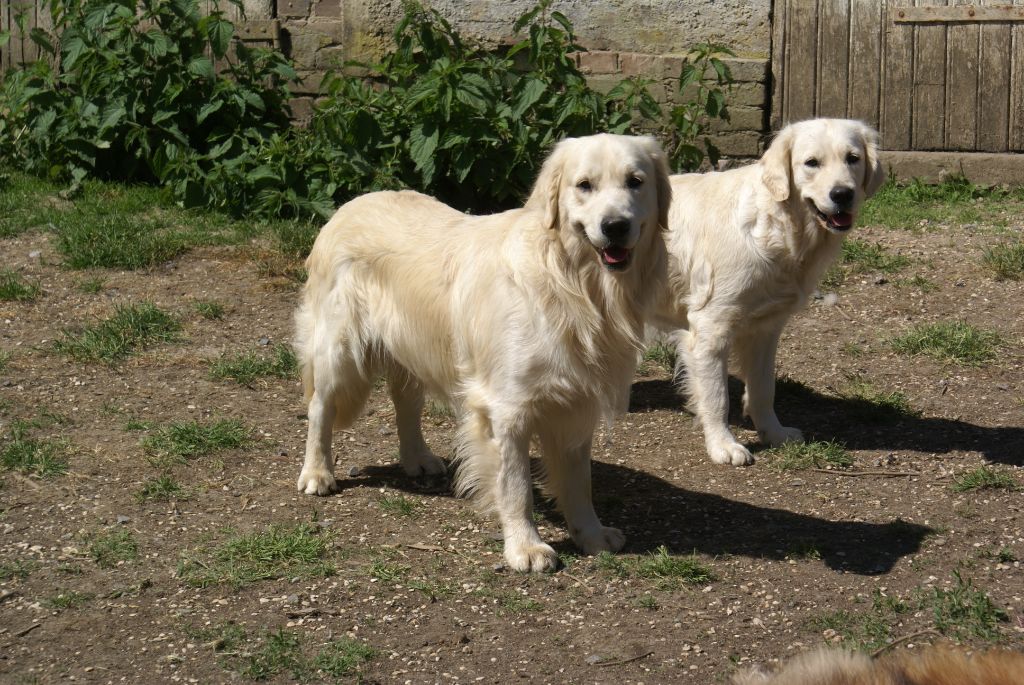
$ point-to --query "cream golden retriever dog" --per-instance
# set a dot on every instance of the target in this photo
(940, 665)
(747, 248)
(529, 321)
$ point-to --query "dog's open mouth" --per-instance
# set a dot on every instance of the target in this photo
(615, 257)
(840, 222)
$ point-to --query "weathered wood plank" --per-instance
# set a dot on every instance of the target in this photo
(929, 86)
(994, 87)
(962, 49)
(833, 58)
(865, 61)
(802, 49)
(966, 12)
(897, 101)
(778, 68)
(1016, 133)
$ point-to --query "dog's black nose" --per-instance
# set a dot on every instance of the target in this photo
(615, 229)
(841, 196)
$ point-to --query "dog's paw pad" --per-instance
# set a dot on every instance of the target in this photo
(535, 558)
(316, 482)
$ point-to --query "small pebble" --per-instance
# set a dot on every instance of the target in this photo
(353, 471)
(35, 254)
(264, 341)
(123, 519)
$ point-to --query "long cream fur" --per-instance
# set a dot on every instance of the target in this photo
(941, 665)
(516, 318)
(747, 247)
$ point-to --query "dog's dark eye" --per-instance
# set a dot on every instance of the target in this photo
(852, 158)
(812, 162)
(584, 186)
(634, 182)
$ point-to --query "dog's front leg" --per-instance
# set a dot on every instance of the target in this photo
(317, 476)
(756, 353)
(705, 351)
(568, 476)
(524, 550)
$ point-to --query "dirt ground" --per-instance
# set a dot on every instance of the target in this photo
(799, 558)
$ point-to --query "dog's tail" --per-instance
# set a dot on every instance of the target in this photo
(477, 459)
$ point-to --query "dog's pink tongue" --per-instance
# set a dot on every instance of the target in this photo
(842, 219)
(614, 254)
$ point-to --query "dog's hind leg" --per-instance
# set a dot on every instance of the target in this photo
(407, 396)
(340, 390)
(567, 476)
(756, 355)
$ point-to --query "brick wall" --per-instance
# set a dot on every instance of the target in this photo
(322, 34)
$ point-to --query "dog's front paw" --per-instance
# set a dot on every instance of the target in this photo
(730, 453)
(536, 557)
(423, 464)
(780, 436)
(317, 482)
(601, 539)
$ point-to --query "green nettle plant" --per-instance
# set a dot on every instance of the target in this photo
(140, 90)
(703, 83)
(154, 91)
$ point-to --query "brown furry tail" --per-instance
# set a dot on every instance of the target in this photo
(939, 665)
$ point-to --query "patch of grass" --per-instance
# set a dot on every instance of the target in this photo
(111, 547)
(869, 630)
(68, 599)
(803, 550)
(387, 571)
(956, 341)
(92, 286)
(870, 404)
(295, 238)
(26, 203)
(276, 552)
(121, 241)
(1005, 261)
(5, 358)
(647, 602)
(795, 456)
(210, 309)
(917, 205)
(137, 424)
(436, 410)
(834, 277)
(984, 478)
(920, 282)
(862, 257)
(399, 505)
(161, 489)
(193, 439)
(247, 367)
(964, 610)
(853, 349)
(661, 355)
(340, 658)
(31, 456)
(512, 602)
(224, 637)
(18, 569)
(280, 652)
(15, 289)
(658, 565)
(132, 327)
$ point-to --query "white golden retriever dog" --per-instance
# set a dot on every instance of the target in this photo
(747, 247)
(529, 321)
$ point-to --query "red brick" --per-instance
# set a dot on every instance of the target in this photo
(639, 64)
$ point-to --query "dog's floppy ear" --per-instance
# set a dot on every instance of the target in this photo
(661, 173)
(544, 196)
(874, 172)
(775, 163)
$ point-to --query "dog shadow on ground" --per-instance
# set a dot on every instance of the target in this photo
(857, 423)
(653, 512)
